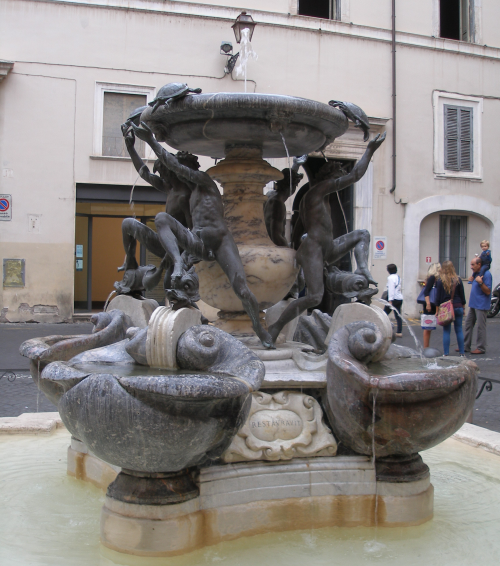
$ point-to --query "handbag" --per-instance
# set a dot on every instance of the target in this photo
(445, 313)
(385, 295)
(432, 296)
(428, 321)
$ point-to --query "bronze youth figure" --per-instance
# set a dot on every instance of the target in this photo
(318, 248)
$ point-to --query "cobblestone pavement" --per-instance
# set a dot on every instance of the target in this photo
(22, 395)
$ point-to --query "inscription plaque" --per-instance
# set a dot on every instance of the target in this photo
(13, 272)
(282, 426)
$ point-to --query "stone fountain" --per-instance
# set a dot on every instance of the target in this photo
(206, 434)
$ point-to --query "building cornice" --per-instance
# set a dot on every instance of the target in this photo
(5, 68)
(295, 22)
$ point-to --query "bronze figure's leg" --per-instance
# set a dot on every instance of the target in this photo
(133, 231)
(228, 258)
(173, 236)
(310, 257)
(360, 241)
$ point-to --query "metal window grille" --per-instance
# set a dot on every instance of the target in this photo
(453, 241)
(117, 108)
(458, 138)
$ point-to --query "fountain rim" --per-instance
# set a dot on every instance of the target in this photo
(211, 118)
(179, 386)
(238, 100)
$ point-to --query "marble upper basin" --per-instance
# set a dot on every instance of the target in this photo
(208, 124)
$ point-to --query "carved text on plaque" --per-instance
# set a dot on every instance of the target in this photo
(282, 426)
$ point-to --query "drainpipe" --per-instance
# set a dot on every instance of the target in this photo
(393, 189)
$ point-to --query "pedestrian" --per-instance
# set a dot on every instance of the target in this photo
(395, 297)
(430, 306)
(479, 305)
(449, 287)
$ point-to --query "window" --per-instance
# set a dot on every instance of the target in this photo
(117, 108)
(457, 136)
(455, 20)
(458, 147)
(113, 104)
(453, 242)
(325, 9)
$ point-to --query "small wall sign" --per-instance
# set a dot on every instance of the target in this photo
(79, 264)
(428, 259)
(5, 207)
(79, 250)
(380, 247)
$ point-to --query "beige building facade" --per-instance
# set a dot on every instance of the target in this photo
(70, 70)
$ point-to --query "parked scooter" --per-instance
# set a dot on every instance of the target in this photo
(495, 302)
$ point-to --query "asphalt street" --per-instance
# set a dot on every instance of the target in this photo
(19, 394)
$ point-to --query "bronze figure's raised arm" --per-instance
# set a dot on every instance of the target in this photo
(137, 279)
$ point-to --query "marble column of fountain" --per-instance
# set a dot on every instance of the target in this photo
(194, 444)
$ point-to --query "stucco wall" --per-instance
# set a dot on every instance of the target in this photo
(37, 146)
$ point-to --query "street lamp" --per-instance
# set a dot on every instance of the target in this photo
(243, 21)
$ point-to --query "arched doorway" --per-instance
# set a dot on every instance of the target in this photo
(427, 225)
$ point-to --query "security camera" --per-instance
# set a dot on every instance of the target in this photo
(226, 48)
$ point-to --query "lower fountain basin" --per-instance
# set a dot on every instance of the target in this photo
(209, 124)
(152, 420)
(157, 423)
(398, 412)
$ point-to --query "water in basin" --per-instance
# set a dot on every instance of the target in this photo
(408, 365)
(50, 519)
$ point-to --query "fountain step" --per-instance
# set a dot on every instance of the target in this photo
(31, 423)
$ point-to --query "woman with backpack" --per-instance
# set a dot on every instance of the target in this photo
(449, 287)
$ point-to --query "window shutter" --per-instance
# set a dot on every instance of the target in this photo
(466, 155)
(451, 138)
(458, 148)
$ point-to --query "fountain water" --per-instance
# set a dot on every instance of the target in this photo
(247, 52)
(418, 345)
(51, 519)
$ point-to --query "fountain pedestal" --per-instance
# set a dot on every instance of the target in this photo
(270, 270)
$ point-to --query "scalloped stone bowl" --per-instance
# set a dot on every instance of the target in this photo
(399, 411)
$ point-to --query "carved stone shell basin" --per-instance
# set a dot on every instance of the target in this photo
(206, 124)
(414, 409)
(154, 420)
(270, 271)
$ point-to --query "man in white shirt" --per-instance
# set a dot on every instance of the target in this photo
(394, 296)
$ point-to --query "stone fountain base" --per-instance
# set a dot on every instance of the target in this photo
(262, 497)
(253, 497)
